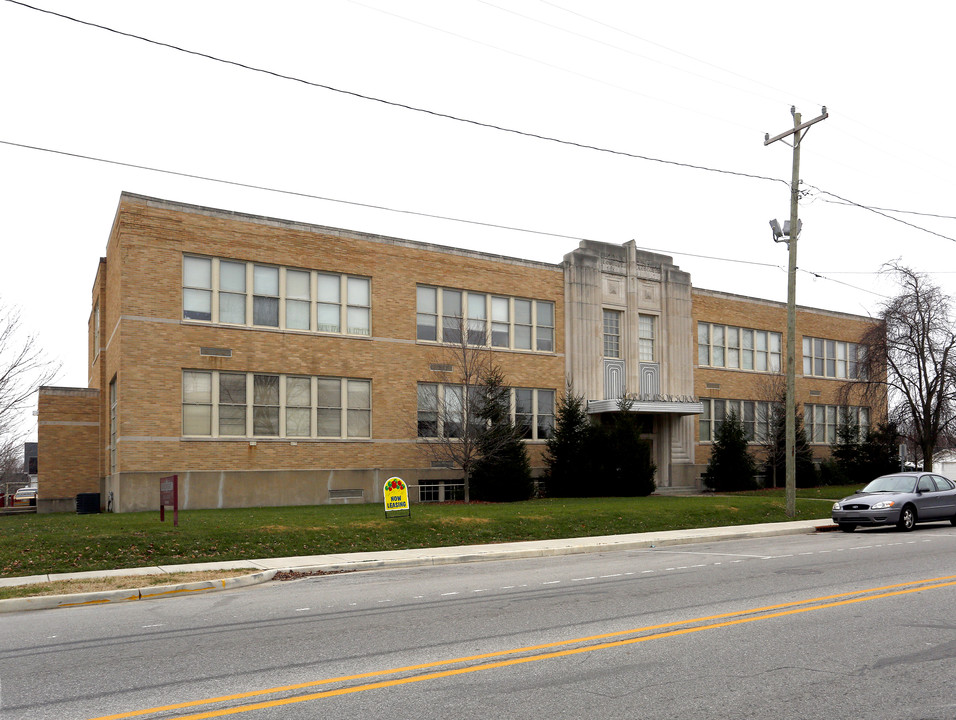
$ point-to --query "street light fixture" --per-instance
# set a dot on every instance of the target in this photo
(783, 235)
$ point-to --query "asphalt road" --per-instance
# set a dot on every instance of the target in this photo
(825, 624)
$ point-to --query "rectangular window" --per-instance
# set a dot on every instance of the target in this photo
(830, 358)
(452, 411)
(330, 407)
(746, 349)
(612, 334)
(232, 292)
(427, 321)
(197, 288)
(441, 411)
(823, 422)
(298, 406)
(738, 348)
(239, 293)
(717, 351)
(524, 412)
(705, 422)
(96, 329)
(755, 416)
(523, 324)
(197, 403)
(228, 405)
(265, 405)
(733, 347)
(451, 317)
(703, 344)
(645, 338)
(477, 319)
(265, 299)
(359, 408)
(503, 322)
(113, 424)
(544, 424)
(427, 410)
(298, 299)
(544, 326)
(500, 322)
(232, 404)
(359, 306)
(329, 306)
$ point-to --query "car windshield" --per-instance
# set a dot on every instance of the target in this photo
(892, 483)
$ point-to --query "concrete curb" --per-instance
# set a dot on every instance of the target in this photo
(154, 592)
(397, 559)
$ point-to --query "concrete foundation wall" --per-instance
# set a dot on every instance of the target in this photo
(139, 492)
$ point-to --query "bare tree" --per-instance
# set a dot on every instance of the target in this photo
(451, 421)
(911, 354)
(770, 415)
(24, 368)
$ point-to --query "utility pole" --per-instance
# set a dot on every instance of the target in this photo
(798, 131)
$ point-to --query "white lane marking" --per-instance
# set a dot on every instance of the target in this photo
(551, 582)
(302, 609)
(448, 593)
(156, 625)
(481, 590)
(610, 576)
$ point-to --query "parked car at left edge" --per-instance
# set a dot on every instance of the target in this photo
(901, 499)
(24, 497)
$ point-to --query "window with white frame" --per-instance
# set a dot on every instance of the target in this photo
(444, 314)
(612, 333)
(96, 329)
(737, 348)
(233, 292)
(831, 358)
(113, 424)
(197, 288)
(266, 405)
(755, 416)
(441, 411)
(823, 422)
(646, 331)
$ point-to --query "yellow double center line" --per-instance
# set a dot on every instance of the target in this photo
(533, 653)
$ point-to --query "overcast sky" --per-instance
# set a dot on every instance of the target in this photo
(661, 85)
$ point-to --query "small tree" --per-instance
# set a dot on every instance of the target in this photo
(502, 472)
(731, 466)
(568, 456)
(622, 456)
(879, 452)
(806, 473)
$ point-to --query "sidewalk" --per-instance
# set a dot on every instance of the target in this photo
(264, 570)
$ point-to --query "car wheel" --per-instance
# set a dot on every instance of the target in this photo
(952, 520)
(907, 519)
(850, 527)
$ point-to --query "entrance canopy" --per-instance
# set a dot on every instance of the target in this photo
(651, 405)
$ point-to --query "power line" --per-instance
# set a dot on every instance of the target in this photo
(892, 210)
(404, 106)
(296, 193)
(736, 261)
(877, 211)
(354, 203)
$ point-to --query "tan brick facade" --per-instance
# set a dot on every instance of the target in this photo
(733, 310)
(141, 343)
(69, 433)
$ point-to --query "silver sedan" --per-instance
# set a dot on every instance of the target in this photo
(902, 499)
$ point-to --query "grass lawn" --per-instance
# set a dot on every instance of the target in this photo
(40, 544)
